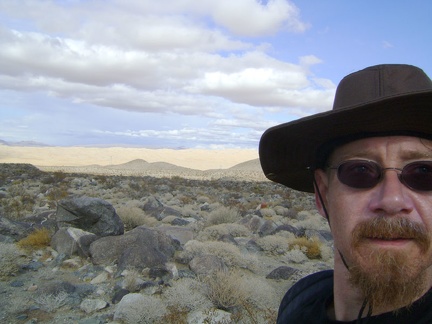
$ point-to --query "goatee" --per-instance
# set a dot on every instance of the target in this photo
(389, 278)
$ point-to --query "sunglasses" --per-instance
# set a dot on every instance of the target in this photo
(365, 174)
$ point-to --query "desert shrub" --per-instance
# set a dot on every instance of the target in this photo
(20, 203)
(9, 255)
(175, 315)
(134, 216)
(186, 294)
(327, 254)
(267, 212)
(37, 239)
(296, 256)
(213, 233)
(189, 211)
(310, 247)
(52, 302)
(131, 280)
(57, 193)
(225, 289)
(203, 199)
(223, 215)
(308, 220)
(13, 208)
(273, 244)
(229, 253)
(280, 210)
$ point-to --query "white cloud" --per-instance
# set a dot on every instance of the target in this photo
(251, 18)
(171, 57)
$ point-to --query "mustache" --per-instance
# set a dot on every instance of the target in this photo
(391, 228)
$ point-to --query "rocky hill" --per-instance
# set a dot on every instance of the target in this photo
(101, 248)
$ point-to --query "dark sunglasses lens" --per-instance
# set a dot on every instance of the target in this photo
(359, 174)
(418, 175)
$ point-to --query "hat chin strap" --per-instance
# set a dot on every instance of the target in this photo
(327, 216)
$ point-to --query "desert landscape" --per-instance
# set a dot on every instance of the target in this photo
(129, 235)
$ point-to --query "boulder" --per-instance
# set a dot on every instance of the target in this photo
(282, 272)
(93, 215)
(70, 241)
(11, 230)
(153, 207)
(180, 234)
(322, 235)
(140, 248)
(89, 305)
(288, 228)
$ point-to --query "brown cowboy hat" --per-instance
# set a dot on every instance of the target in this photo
(383, 99)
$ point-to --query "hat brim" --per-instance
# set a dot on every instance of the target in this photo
(287, 151)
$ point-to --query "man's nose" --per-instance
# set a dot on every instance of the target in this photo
(391, 196)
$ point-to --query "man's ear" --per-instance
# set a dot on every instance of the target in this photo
(321, 188)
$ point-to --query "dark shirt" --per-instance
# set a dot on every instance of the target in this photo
(306, 303)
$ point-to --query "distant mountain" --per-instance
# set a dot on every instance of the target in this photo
(140, 164)
(24, 143)
(251, 165)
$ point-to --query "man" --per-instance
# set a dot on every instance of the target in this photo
(369, 162)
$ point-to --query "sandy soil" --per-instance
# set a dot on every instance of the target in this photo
(84, 156)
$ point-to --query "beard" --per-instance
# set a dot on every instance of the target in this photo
(389, 278)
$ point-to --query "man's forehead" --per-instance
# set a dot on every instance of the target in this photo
(407, 147)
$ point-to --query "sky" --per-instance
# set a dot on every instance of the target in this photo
(189, 73)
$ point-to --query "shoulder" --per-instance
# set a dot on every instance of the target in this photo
(317, 287)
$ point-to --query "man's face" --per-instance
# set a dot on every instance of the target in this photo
(383, 233)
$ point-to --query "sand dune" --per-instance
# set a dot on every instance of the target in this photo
(86, 156)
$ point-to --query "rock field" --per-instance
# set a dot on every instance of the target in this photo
(152, 243)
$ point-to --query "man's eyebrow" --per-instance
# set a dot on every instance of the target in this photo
(416, 155)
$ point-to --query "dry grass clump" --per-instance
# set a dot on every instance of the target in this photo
(296, 256)
(230, 254)
(308, 220)
(225, 289)
(215, 232)
(223, 215)
(52, 302)
(39, 238)
(186, 294)
(9, 255)
(20, 203)
(132, 280)
(273, 244)
(249, 299)
(310, 247)
(132, 217)
(279, 245)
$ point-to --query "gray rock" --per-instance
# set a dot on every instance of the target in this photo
(118, 295)
(179, 222)
(267, 228)
(140, 248)
(127, 305)
(288, 228)
(92, 305)
(155, 208)
(180, 234)
(322, 235)
(14, 230)
(89, 214)
(70, 241)
(282, 272)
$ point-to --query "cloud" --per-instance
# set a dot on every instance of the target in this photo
(193, 59)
